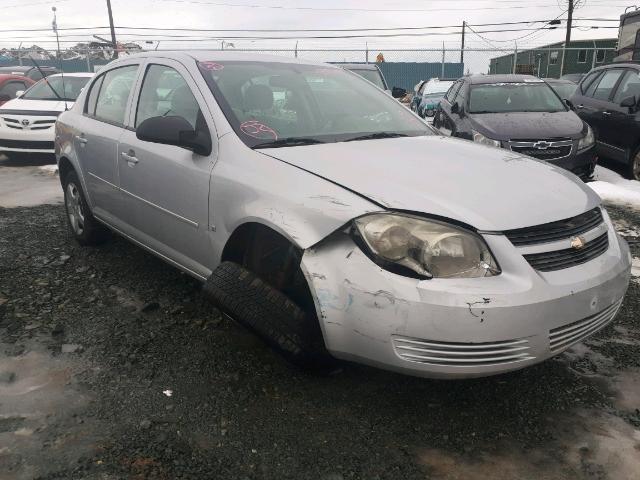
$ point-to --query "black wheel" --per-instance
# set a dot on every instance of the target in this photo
(270, 314)
(633, 170)
(84, 227)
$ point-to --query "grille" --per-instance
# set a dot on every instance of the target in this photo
(569, 257)
(565, 336)
(34, 125)
(543, 149)
(461, 354)
(27, 145)
(548, 154)
(553, 231)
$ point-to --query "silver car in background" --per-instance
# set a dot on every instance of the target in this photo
(332, 221)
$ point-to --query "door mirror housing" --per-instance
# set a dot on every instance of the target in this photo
(19, 93)
(569, 104)
(175, 130)
(455, 108)
(628, 102)
(398, 92)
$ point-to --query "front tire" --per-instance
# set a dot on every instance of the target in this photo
(83, 226)
(633, 170)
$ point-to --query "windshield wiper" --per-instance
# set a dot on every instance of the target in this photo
(44, 77)
(288, 142)
(373, 136)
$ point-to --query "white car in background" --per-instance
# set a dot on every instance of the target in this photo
(26, 122)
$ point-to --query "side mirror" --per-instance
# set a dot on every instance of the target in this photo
(4, 98)
(455, 108)
(628, 102)
(19, 93)
(174, 130)
(398, 92)
(569, 104)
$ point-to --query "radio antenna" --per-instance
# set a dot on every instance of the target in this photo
(54, 25)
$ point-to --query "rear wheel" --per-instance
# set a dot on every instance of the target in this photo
(84, 227)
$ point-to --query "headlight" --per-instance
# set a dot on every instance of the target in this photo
(425, 248)
(588, 140)
(479, 138)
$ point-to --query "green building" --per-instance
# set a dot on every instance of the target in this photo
(546, 62)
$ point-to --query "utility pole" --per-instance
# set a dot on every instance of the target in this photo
(568, 36)
(464, 24)
(113, 30)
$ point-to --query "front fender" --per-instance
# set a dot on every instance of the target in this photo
(251, 187)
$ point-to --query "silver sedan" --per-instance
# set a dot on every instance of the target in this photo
(332, 221)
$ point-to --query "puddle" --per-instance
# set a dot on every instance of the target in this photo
(42, 427)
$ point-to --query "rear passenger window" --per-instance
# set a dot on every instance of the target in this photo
(606, 84)
(114, 93)
(629, 87)
(93, 96)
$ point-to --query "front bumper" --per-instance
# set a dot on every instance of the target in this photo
(457, 328)
(36, 136)
(582, 164)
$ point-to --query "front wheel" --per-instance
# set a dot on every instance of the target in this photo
(83, 225)
(634, 166)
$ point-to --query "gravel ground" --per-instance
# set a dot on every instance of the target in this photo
(113, 365)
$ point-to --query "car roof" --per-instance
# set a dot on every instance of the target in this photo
(9, 76)
(635, 65)
(73, 74)
(221, 56)
(24, 68)
(559, 80)
(506, 78)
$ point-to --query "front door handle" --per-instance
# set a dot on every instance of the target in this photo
(580, 106)
(606, 113)
(81, 139)
(130, 158)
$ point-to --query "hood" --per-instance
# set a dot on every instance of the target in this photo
(488, 188)
(35, 105)
(528, 125)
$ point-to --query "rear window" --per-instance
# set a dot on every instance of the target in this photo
(514, 97)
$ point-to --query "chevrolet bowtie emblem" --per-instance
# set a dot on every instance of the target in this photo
(577, 243)
(541, 145)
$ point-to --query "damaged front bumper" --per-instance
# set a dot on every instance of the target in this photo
(457, 328)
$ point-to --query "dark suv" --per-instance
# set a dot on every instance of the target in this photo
(608, 100)
(520, 113)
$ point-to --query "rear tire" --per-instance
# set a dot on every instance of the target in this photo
(269, 313)
(82, 224)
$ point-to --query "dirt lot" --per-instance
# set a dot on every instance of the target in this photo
(112, 365)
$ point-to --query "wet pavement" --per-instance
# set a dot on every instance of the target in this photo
(113, 366)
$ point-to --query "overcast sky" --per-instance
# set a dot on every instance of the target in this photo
(308, 14)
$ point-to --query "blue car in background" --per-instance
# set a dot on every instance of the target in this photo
(430, 94)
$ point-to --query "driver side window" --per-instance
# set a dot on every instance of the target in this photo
(166, 93)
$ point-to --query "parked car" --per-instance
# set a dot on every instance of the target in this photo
(12, 84)
(432, 92)
(564, 88)
(336, 223)
(520, 113)
(608, 100)
(369, 71)
(573, 77)
(26, 122)
(32, 72)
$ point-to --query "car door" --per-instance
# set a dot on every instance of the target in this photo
(595, 101)
(166, 188)
(446, 123)
(623, 130)
(96, 142)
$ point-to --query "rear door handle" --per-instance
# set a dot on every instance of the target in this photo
(81, 139)
(130, 158)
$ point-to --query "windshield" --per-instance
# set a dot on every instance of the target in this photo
(564, 90)
(435, 89)
(373, 76)
(514, 97)
(267, 102)
(72, 88)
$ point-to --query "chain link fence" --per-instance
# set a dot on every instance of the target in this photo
(405, 66)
